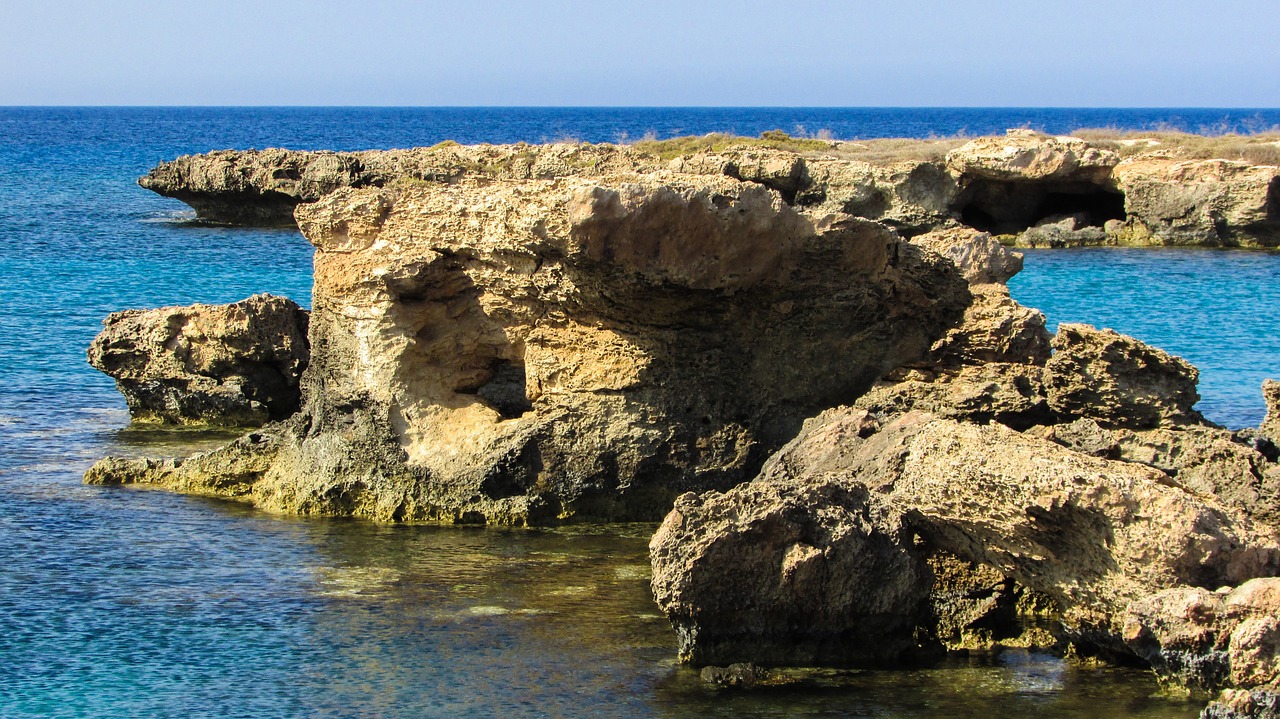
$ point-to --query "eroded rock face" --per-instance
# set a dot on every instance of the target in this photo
(535, 350)
(236, 364)
(1026, 155)
(1209, 640)
(1271, 423)
(981, 259)
(845, 507)
(1118, 380)
(1199, 202)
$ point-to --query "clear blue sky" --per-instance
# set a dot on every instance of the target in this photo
(656, 52)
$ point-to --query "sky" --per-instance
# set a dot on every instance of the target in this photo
(1046, 53)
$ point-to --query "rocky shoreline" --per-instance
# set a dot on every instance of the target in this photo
(1031, 190)
(865, 451)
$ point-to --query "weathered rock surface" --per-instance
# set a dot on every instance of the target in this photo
(236, 364)
(823, 557)
(531, 350)
(1026, 155)
(981, 259)
(1118, 380)
(1199, 202)
(1209, 640)
(1008, 184)
(1244, 704)
(1271, 423)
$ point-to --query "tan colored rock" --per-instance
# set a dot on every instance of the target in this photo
(912, 197)
(530, 351)
(1271, 423)
(1009, 393)
(1199, 202)
(995, 328)
(1208, 640)
(828, 544)
(1244, 704)
(1025, 155)
(1118, 380)
(981, 259)
(237, 364)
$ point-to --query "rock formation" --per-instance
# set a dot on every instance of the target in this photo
(236, 364)
(822, 558)
(523, 351)
(1034, 190)
(1271, 423)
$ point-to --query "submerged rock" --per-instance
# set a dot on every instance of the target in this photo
(587, 347)
(237, 364)
(823, 557)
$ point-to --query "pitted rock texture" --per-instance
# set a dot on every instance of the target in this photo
(530, 351)
(823, 557)
(1026, 156)
(981, 259)
(1199, 202)
(236, 364)
(1209, 640)
(1118, 380)
(1271, 423)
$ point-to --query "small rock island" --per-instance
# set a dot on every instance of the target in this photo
(862, 450)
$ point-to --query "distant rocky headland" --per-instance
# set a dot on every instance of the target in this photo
(863, 451)
(1029, 189)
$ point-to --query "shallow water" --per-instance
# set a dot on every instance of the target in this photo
(122, 602)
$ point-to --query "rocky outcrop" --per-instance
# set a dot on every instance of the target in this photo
(1029, 156)
(1199, 202)
(1271, 423)
(823, 558)
(236, 364)
(528, 351)
(1118, 380)
(981, 259)
(1033, 189)
(262, 187)
(1209, 640)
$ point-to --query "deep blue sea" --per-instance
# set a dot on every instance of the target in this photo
(117, 602)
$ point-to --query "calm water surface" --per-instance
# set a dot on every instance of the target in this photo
(117, 602)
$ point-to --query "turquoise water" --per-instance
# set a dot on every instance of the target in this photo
(134, 603)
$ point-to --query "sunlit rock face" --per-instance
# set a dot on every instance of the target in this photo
(535, 350)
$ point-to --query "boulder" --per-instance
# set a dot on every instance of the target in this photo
(237, 364)
(823, 558)
(995, 328)
(1118, 380)
(981, 259)
(1199, 202)
(1058, 232)
(1244, 704)
(1209, 640)
(539, 350)
(1027, 156)
(910, 196)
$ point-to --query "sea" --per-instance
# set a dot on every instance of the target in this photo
(141, 603)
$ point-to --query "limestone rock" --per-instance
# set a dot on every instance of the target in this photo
(1244, 704)
(1207, 640)
(1118, 380)
(1024, 155)
(529, 351)
(822, 557)
(912, 197)
(1005, 392)
(1199, 202)
(236, 364)
(262, 187)
(981, 259)
(1059, 232)
(1271, 423)
(995, 328)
